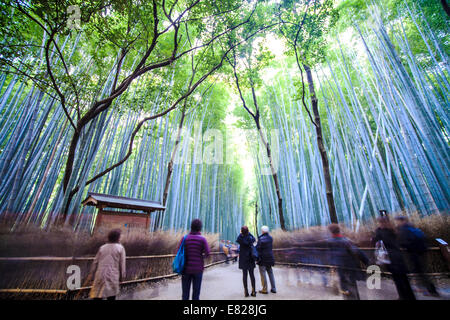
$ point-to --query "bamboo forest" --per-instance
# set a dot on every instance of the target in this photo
(290, 114)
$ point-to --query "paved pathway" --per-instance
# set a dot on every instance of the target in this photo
(224, 282)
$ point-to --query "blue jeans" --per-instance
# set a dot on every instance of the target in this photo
(196, 280)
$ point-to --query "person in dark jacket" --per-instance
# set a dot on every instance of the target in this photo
(196, 249)
(347, 257)
(397, 266)
(246, 261)
(266, 260)
(414, 241)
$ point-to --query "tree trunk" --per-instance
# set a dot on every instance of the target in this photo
(274, 175)
(445, 7)
(44, 178)
(11, 208)
(256, 218)
(172, 158)
(68, 173)
(323, 152)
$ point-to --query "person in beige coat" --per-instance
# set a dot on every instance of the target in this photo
(109, 268)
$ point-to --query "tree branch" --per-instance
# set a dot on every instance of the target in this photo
(52, 78)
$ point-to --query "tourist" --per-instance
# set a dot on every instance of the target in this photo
(223, 248)
(196, 250)
(230, 252)
(246, 260)
(347, 257)
(385, 232)
(234, 252)
(414, 241)
(109, 268)
(266, 260)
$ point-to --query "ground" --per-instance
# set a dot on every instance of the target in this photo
(224, 282)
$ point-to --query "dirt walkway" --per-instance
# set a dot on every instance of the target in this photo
(224, 282)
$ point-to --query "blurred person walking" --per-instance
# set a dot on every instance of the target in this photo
(224, 248)
(246, 260)
(196, 250)
(414, 241)
(347, 257)
(235, 252)
(266, 260)
(228, 250)
(397, 266)
(109, 268)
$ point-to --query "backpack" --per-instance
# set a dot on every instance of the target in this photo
(178, 262)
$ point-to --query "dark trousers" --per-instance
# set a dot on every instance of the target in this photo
(418, 263)
(252, 277)
(196, 280)
(403, 286)
(347, 280)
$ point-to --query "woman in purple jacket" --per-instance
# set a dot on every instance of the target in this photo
(196, 249)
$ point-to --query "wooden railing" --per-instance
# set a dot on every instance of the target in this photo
(47, 275)
(320, 257)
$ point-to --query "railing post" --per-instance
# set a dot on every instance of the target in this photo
(444, 250)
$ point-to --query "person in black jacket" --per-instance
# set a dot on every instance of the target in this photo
(414, 241)
(246, 260)
(266, 260)
(347, 257)
(397, 266)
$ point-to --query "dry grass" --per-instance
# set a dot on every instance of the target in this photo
(32, 241)
(434, 226)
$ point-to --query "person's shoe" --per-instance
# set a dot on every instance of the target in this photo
(263, 292)
(345, 292)
(246, 293)
(273, 290)
(253, 293)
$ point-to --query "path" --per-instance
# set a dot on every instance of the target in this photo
(224, 282)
